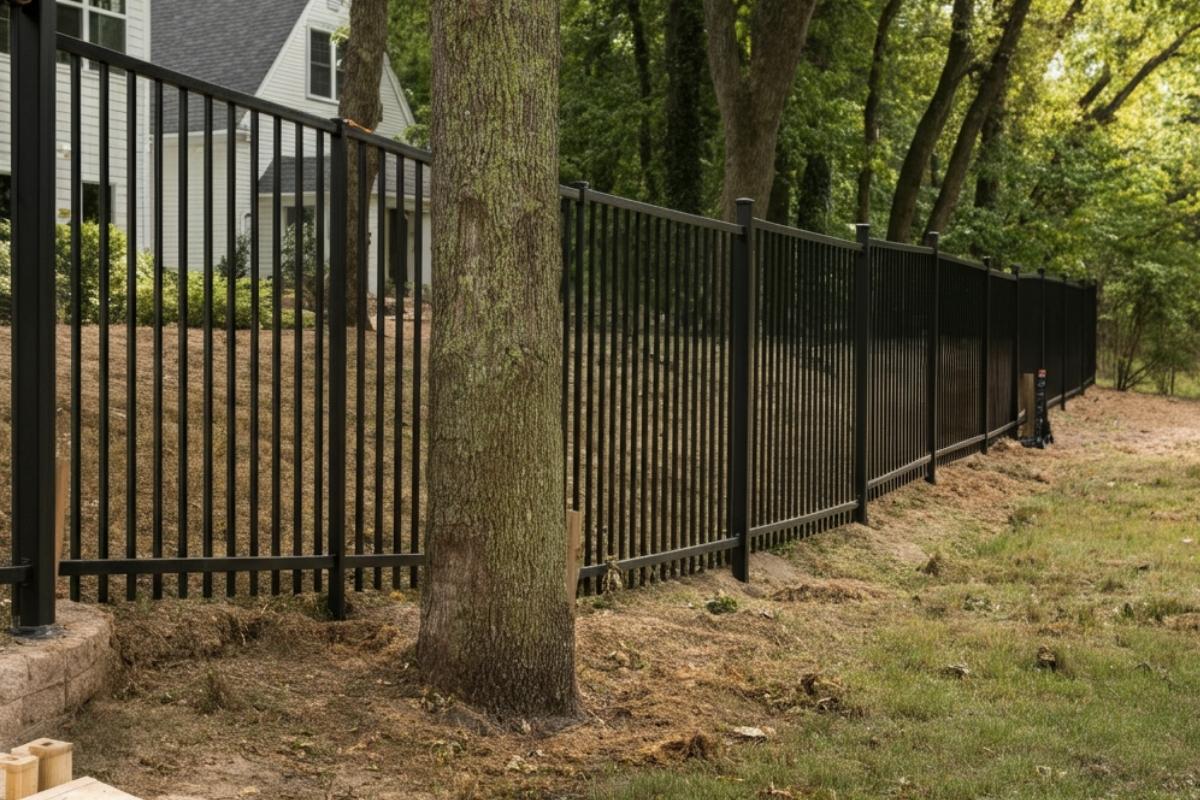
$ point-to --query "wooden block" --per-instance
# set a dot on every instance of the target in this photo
(574, 550)
(20, 776)
(83, 789)
(1027, 400)
(54, 761)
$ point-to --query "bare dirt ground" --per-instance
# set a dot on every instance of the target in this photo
(219, 700)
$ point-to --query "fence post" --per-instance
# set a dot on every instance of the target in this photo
(1015, 399)
(34, 405)
(935, 361)
(986, 342)
(742, 293)
(337, 370)
(862, 368)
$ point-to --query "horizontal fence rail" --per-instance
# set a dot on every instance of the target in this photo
(242, 373)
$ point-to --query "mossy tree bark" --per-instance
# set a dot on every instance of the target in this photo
(497, 626)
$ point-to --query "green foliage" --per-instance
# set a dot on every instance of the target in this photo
(241, 259)
(1117, 202)
(90, 294)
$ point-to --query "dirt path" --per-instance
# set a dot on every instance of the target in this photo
(263, 699)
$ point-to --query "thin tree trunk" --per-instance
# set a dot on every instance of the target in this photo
(497, 624)
(359, 103)
(929, 129)
(752, 87)
(687, 131)
(991, 90)
(641, 59)
(987, 185)
(871, 110)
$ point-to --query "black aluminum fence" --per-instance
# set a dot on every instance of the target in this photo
(726, 386)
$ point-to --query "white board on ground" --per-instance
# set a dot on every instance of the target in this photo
(83, 789)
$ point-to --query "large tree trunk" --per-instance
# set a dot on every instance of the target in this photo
(929, 129)
(497, 624)
(752, 86)
(991, 90)
(641, 60)
(687, 131)
(866, 175)
(358, 102)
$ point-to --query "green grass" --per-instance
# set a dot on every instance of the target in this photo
(1096, 570)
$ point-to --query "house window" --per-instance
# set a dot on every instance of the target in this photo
(100, 22)
(325, 73)
(4, 35)
(5, 196)
(91, 202)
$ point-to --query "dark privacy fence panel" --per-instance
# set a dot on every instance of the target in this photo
(1055, 346)
(1030, 297)
(961, 325)
(236, 426)
(1072, 371)
(803, 384)
(1002, 320)
(902, 287)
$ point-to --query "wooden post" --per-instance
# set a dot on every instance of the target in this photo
(1028, 388)
(574, 550)
(20, 776)
(54, 762)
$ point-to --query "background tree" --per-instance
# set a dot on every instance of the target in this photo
(929, 129)
(687, 123)
(497, 625)
(753, 62)
(987, 97)
(359, 102)
(871, 110)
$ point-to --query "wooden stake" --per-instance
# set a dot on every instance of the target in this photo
(574, 550)
(20, 776)
(54, 761)
(61, 478)
(1027, 401)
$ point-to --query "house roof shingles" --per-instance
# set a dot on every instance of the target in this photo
(231, 43)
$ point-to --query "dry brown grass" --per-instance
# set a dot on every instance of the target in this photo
(235, 494)
(335, 710)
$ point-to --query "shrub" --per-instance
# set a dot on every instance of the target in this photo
(89, 282)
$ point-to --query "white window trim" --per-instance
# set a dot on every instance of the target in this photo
(87, 9)
(333, 68)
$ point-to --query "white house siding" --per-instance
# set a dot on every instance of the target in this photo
(287, 200)
(137, 45)
(285, 84)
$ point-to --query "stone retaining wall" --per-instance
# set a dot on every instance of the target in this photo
(43, 680)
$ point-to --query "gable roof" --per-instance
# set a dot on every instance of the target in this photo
(231, 43)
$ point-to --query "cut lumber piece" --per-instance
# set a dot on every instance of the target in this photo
(83, 789)
(1027, 403)
(20, 776)
(54, 762)
(574, 550)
